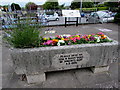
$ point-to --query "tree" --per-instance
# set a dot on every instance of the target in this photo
(87, 4)
(31, 6)
(112, 5)
(75, 5)
(15, 7)
(5, 8)
(51, 5)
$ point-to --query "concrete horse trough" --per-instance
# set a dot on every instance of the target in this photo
(34, 62)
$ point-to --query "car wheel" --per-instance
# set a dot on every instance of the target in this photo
(57, 19)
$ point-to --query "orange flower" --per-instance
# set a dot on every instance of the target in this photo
(70, 38)
(55, 40)
(102, 35)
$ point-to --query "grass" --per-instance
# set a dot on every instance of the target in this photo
(24, 36)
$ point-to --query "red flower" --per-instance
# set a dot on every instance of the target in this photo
(66, 39)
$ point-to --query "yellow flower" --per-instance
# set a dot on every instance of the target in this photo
(89, 35)
(44, 38)
(48, 38)
(62, 38)
(77, 36)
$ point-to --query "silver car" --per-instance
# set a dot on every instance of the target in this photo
(52, 17)
(99, 17)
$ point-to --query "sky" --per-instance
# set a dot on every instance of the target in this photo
(38, 2)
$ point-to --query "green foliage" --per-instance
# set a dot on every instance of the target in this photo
(31, 6)
(50, 13)
(15, 7)
(88, 9)
(102, 8)
(101, 5)
(87, 4)
(51, 5)
(117, 18)
(5, 8)
(75, 5)
(111, 4)
(24, 36)
(93, 9)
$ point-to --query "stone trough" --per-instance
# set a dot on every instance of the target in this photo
(34, 62)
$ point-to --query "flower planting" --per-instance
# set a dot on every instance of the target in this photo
(30, 38)
(60, 40)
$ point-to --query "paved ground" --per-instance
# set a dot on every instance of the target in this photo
(80, 78)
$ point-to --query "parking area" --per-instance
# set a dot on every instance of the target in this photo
(8, 20)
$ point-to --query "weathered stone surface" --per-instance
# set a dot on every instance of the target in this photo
(70, 60)
(43, 59)
(100, 69)
(37, 78)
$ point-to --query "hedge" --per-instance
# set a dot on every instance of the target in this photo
(117, 18)
(93, 9)
(102, 8)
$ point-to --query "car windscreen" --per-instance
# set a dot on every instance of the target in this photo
(103, 14)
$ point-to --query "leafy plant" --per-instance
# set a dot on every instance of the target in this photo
(25, 35)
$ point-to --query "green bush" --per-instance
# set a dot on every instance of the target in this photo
(88, 9)
(100, 5)
(117, 18)
(50, 13)
(94, 9)
(102, 8)
(24, 36)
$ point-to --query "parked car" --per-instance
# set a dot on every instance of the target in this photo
(82, 14)
(99, 17)
(113, 14)
(52, 17)
(87, 15)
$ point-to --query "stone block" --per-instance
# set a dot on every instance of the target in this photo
(38, 78)
(100, 69)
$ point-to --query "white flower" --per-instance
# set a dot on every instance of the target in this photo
(98, 39)
(67, 35)
(58, 44)
(60, 41)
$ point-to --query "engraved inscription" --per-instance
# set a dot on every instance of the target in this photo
(70, 58)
